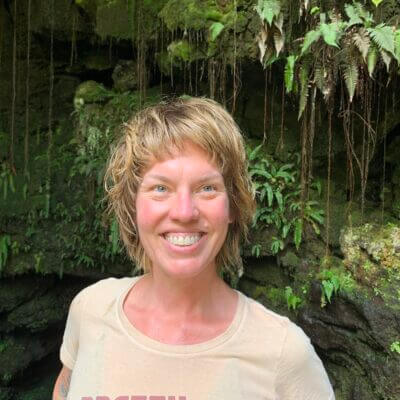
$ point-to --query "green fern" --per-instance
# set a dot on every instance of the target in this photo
(352, 13)
(330, 33)
(289, 72)
(383, 37)
(268, 9)
(351, 75)
(311, 37)
(397, 45)
(215, 29)
(372, 59)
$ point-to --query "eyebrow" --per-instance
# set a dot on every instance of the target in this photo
(204, 178)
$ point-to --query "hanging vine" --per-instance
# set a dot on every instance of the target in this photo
(14, 87)
(28, 52)
(50, 115)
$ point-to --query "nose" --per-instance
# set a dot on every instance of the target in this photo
(183, 207)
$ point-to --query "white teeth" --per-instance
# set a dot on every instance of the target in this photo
(183, 240)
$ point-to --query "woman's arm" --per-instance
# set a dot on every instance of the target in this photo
(61, 386)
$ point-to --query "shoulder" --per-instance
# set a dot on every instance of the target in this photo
(287, 336)
(101, 294)
(299, 372)
(260, 317)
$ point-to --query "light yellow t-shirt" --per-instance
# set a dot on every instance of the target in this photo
(261, 356)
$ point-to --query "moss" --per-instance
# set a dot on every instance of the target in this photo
(190, 14)
(90, 92)
(182, 50)
(372, 254)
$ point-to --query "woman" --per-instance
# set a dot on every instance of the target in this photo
(180, 191)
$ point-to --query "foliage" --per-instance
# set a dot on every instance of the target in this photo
(395, 346)
(336, 42)
(5, 244)
(6, 180)
(334, 280)
(292, 300)
(279, 205)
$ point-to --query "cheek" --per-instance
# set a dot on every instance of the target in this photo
(220, 213)
(146, 213)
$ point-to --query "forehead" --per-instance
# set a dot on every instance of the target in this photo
(188, 154)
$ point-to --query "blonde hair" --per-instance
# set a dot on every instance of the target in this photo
(158, 130)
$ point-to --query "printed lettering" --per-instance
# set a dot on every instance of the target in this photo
(138, 397)
(157, 398)
(102, 398)
(122, 398)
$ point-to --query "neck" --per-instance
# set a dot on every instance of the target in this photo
(184, 298)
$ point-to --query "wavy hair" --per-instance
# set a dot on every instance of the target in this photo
(154, 133)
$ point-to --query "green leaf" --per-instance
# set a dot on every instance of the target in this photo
(351, 76)
(330, 34)
(254, 152)
(376, 2)
(215, 29)
(314, 10)
(298, 231)
(270, 195)
(286, 229)
(279, 199)
(260, 172)
(365, 15)
(311, 37)
(353, 15)
(397, 45)
(268, 9)
(289, 72)
(383, 36)
(328, 289)
(372, 59)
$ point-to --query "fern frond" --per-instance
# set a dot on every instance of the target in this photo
(330, 33)
(304, 79)
(350, 73)
(311, 37)
(268, 9)
(365, 15)
(397, 45)
(372, 59)
(352, 13)
(322, 80)
(362, 42)
(383, 36)
(279, 41)
(289, 73)
(386, 58)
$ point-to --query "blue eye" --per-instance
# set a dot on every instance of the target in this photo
(160, 188)
(208, 188)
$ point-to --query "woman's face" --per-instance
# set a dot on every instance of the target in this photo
(182, 210)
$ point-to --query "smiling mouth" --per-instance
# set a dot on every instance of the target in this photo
(187, 239)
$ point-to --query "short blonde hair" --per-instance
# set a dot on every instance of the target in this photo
(159, 130)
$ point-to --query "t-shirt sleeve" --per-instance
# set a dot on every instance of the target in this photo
(301, 374)
(70, 343)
